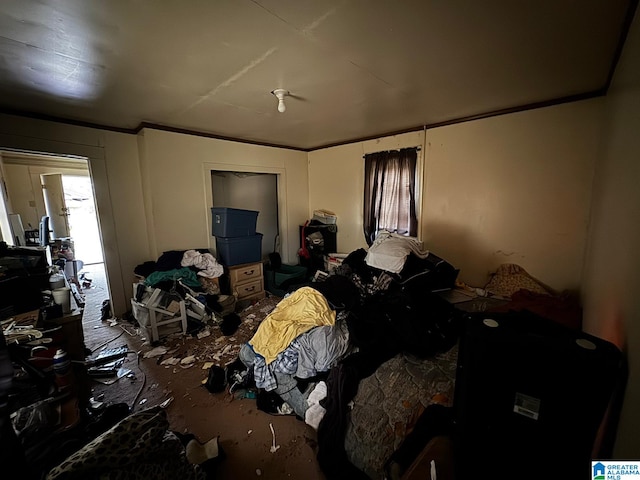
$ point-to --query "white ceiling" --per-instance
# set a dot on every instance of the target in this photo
(355, 68)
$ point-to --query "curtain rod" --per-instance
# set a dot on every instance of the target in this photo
(418, 148)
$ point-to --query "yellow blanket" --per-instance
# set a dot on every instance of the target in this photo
(301, 311)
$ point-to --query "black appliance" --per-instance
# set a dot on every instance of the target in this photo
(319, 240)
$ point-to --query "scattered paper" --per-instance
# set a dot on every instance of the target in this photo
(170, 361)
(188, 360)
(166, 403)
(155, 352)
(207, 365)
(203, 333)
(111, 380)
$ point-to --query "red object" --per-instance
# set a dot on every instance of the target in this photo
(303, 252)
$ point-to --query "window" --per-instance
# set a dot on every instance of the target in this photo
(390, 193)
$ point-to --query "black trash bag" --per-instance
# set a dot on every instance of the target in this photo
(105, 311)
(230, 324)
(275, 261)
(217, 379)
(269, 402)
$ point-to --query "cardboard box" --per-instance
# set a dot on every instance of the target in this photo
(325, 216)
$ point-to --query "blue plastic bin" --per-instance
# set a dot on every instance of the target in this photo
(239, 250)
(233, 222)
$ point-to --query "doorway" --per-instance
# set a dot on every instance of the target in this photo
(83, 218)
(69, 196)
(251, 191)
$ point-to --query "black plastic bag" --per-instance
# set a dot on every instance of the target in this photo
(216, 381)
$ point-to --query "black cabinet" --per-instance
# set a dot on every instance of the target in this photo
(319, 240)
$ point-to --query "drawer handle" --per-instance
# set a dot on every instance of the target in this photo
(250, 289)
(249, 272)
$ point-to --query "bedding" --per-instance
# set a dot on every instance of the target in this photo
(381, 344)
(389, 403)
(383, 347)
(389, 251)
(402, 358)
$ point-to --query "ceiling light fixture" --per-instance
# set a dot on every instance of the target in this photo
(280, 93)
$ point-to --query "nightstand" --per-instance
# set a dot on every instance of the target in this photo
(246, 281)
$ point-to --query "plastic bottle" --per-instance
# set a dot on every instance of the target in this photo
(56, 280)
(63, 371)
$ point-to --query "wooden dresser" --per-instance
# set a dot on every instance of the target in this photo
(246, 281)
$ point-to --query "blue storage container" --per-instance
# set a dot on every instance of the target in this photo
(233, 222)
(239, 250)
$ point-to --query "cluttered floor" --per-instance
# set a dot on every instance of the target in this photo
(177, 389)
(171, 374)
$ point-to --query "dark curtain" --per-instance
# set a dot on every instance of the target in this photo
(389, 192)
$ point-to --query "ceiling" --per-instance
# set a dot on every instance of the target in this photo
(355, 69)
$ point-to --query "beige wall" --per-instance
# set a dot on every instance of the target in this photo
(336, 183)
(25, 190)
(131, 245)
(513, 189)
(508, 189)
(21, 194)
(612, 274)
(177, 186)
(153, 190)
(113, 163)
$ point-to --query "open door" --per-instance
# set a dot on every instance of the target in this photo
(55, 205)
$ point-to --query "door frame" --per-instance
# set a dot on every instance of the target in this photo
(281, 183)
(54, 152)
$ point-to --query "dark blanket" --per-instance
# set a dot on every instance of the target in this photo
(342, 386)
(382, 327)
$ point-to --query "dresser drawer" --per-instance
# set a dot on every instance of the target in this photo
(246, 289)
(244, 273)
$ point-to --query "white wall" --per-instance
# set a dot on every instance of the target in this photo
(508, 189)
(612, 273)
